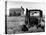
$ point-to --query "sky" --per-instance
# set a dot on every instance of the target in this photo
(29, 5)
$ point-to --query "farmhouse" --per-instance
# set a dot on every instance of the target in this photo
(16, 11)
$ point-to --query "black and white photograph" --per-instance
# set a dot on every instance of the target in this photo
(24, 17)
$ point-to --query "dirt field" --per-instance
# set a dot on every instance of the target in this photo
(14, 23)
